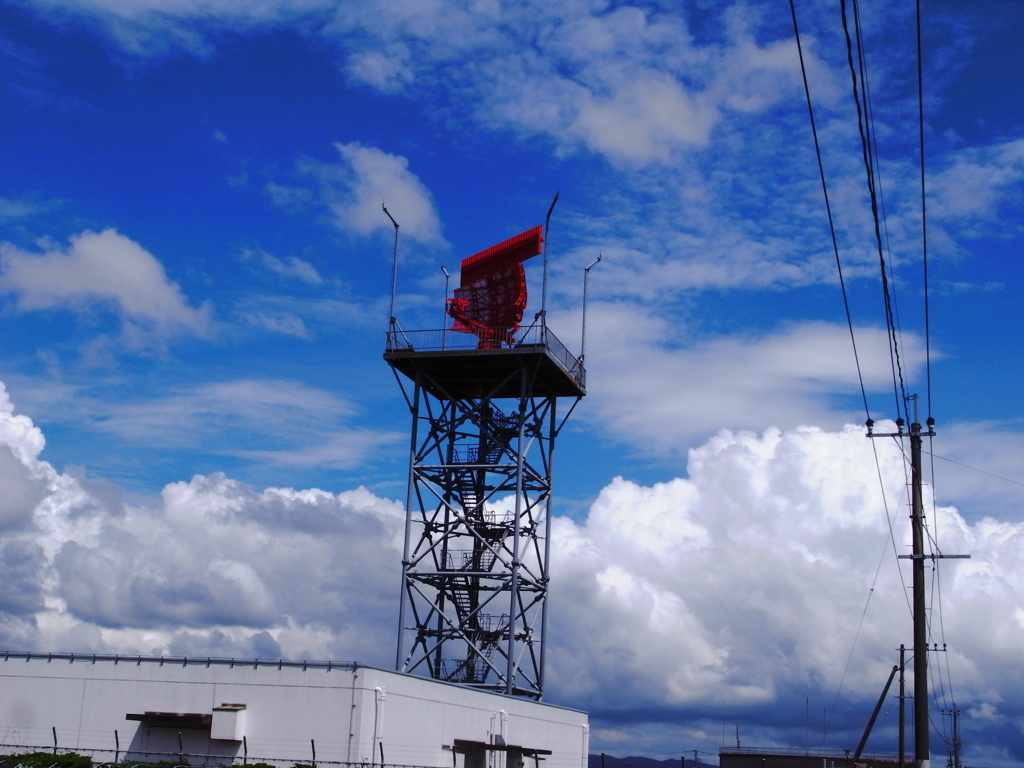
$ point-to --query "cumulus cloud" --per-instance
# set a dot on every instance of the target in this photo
(367, 177)
(731, 587)
(101, 269)
(215, 563)
(759, 543)
(741, 587)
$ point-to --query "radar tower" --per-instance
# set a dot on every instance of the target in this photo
(484, 396)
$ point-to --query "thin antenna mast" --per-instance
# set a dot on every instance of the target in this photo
(444, 315)
(544, 285)
(583, 335)
(394, 268)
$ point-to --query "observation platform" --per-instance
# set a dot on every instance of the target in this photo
(458, 365)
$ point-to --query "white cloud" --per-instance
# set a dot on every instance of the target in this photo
(104, 269)
(629, 83)
(367, 178)
(288, 325)
(277, 422)
(659, 389)
(633, 84)
(152, 27)
(294, 198)
(976, 183)
(383, 71)
(983, 471)
(18, 209)
(215, 564)
(292, 268)
(746, 581)
(737, 584)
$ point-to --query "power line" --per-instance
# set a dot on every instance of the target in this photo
(863, 128)
(924, 216)
(828, 208)
(975, 469)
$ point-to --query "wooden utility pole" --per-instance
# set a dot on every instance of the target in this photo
(922, 748)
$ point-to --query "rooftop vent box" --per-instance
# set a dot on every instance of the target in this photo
(228, 722)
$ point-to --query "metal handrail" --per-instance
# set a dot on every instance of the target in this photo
(447, 340)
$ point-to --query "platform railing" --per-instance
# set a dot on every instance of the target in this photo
(447, 340)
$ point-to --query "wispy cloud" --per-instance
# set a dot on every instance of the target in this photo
(974, 184)
(278, 422)
(11, 209)
(629, 83)
(660, 389)
(289, 325)
(291, 268)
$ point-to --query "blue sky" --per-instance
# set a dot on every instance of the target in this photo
(195, 271)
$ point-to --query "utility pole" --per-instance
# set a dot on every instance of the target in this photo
(922, 748)
(954, 759)
(903, 700)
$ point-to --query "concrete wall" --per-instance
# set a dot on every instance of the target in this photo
(345, 711)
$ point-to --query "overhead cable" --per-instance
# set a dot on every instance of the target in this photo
(828, 209)
(866, 152)
(924, 216)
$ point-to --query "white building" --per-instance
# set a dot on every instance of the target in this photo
(117, 707)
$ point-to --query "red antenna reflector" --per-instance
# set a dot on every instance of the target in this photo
(515, 250)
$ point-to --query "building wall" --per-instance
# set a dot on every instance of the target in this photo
(344, 711)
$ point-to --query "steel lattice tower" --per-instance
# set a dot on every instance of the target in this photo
(475, 572)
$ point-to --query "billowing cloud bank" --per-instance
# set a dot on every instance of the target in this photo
(216, 568)
(751, 577)
(734, 587)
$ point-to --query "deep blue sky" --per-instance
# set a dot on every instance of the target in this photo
(194, 272)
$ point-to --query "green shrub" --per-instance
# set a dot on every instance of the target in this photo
(48, 759)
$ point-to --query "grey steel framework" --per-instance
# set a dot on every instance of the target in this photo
(475, 564)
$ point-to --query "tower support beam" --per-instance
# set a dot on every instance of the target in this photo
(475, 564)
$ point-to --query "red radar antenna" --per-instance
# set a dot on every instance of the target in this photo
(491, 296)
